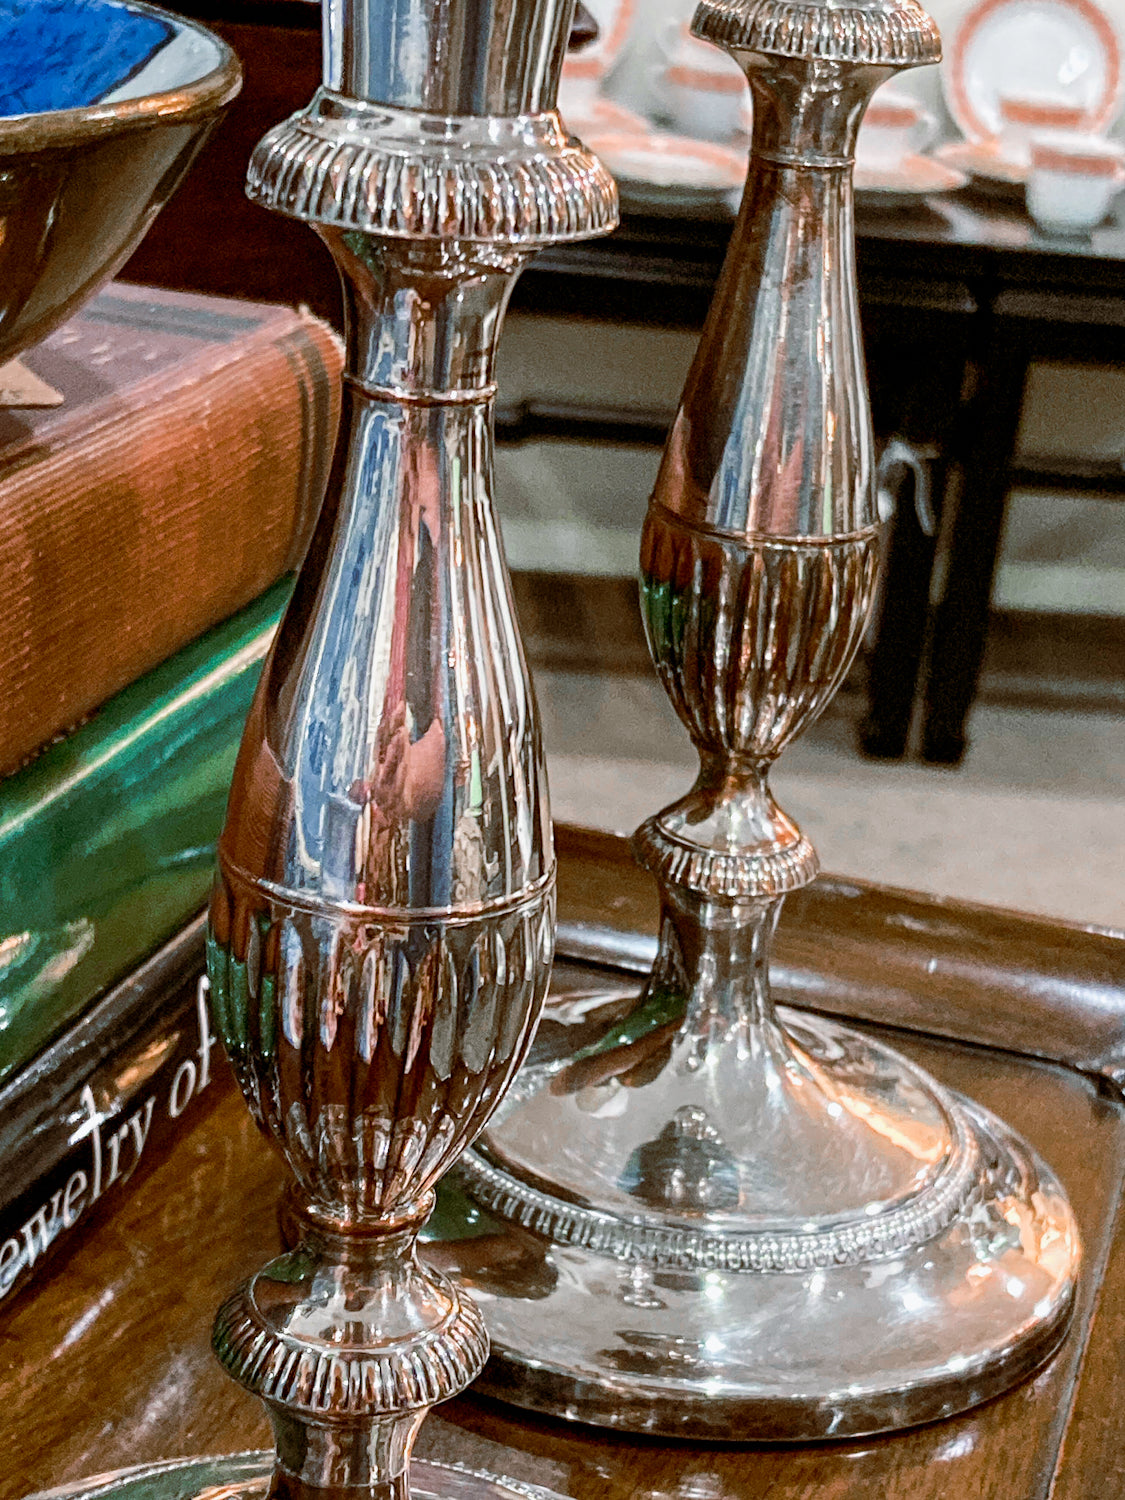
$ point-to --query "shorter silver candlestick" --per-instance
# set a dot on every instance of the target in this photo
(735, 1223)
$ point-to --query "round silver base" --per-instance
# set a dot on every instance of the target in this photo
(246, 1476)
(732, 1323)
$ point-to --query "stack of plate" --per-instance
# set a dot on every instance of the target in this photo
(616, 95)
(658, 171)
(1064, 51)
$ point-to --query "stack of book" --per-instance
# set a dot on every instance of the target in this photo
(151, 511)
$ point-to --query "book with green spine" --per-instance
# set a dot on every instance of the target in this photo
(107, 838)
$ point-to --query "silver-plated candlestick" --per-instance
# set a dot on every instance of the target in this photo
(382, 926)
(751, 1225)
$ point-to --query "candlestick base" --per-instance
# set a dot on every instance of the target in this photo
(825, 1244)
(246, 1476)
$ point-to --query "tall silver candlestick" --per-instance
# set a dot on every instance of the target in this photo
(382, 926)
(751, 1226)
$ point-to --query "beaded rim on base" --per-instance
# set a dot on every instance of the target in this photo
(905, 1227)
(909, 1365)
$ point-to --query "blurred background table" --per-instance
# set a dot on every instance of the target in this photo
(960, 295)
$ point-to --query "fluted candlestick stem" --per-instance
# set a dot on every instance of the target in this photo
(382, 924)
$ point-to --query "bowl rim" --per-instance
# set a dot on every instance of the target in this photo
(65, 128)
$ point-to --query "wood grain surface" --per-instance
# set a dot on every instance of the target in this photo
(108, 1363)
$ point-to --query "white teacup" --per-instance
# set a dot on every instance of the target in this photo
(578, 88)
(707, 105)
(895, 126)
(1023, 116)
(703, 88)
(1073, 180)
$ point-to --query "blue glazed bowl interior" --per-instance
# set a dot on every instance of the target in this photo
(71, 54)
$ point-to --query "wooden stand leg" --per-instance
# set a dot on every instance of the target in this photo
(961, 620)
(896, 655)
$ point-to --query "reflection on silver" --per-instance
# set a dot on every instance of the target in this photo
(382, 923)
(249, 1476)
(486, 58)
(831, 1243)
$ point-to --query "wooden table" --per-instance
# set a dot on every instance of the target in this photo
(106, 1362)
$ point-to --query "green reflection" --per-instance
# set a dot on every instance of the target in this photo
(107, 838)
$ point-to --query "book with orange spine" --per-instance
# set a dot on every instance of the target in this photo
(176, 481)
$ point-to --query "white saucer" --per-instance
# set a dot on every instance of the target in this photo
(910, 177)
(677, 162)
(983, 163)
(1067, 50)
(605, 117)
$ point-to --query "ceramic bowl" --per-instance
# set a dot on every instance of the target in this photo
(1056, 52)
(1073, 180)
(103, 104)
(895, 126)
(1024, 116)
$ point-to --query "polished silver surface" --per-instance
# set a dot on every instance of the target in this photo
(246, 1476)
(701, 1339)
(849, 948)
(743, 1224)
(399, 174)
(382, 923)
(447, 57)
